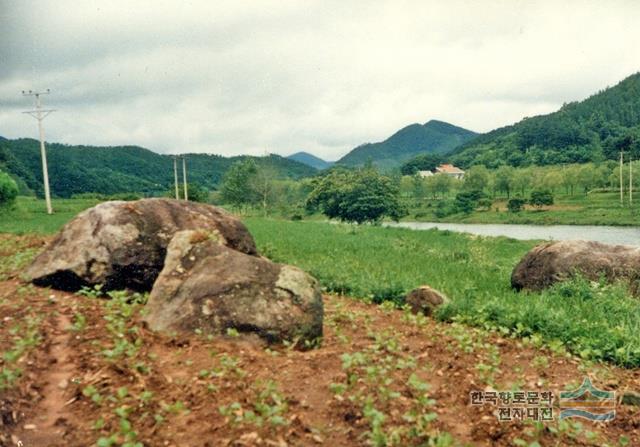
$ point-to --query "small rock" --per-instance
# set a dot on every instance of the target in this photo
(63, 384)
(30, 427)
(425, 300)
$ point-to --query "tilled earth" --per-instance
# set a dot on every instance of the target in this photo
(81, 370)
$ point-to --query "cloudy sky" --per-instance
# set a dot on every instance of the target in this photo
(245, 77)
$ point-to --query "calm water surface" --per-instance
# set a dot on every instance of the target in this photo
(605, 234)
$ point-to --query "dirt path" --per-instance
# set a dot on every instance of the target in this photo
(47, 425)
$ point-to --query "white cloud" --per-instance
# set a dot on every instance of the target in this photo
(283, 76)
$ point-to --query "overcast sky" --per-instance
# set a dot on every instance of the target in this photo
(245, 77)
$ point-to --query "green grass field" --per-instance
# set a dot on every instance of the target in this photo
(382, 264)
(579, 209)
(29, 215)
(596, 321)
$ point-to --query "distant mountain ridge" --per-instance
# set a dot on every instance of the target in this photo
(310, 160)
(593, 129)
(434, 137)
(111, 170)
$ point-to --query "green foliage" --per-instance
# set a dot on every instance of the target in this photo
(432, 137)
(476, 179)
(8, 190)
(236, 185)
(358, 196)
(587, 131)
(445, 208)
(467, 201)
(594, 320)
(195, 193)
(249, 184)
(516, 204)
(422, 162)
(540, 198)
(121, 169)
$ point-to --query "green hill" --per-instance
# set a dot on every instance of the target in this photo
(591, 130)
(310, 160)
(111, 170)
(433, 136)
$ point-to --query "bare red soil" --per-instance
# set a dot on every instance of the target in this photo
(81, 381)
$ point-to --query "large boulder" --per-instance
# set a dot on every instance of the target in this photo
(548, 263)
(425, 300)
(123, 244)
(205, 285)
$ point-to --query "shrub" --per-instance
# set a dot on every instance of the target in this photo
(444, 208)
(8, 190)
(541, 198)
(467, 201)
(516, 204)
(485, 204)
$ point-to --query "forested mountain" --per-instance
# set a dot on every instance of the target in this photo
(110, 170)
(433, 136)
(310, 160)
(591, 130)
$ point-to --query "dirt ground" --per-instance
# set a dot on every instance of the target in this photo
(91, 373)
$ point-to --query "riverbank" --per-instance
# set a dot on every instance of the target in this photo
(579, 209)
(605, 234)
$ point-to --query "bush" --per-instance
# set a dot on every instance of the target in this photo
(541, 198)
(444, 208)
(516, 204)
(195, 192)
(485, 204)
(467, 201)
(8, 190)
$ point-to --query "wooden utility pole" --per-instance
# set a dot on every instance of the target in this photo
(40, 114)
(630, 181)
(175, 176)
(184, 176)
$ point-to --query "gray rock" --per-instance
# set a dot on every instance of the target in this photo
(551, 262)
(425, 300)
(123, 244)
(208, 286)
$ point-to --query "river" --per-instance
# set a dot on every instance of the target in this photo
(605, 234)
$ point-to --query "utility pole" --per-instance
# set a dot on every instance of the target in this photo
(41, 114)
(630, 181)
(621, 192)
(184, 176)
(175, 175)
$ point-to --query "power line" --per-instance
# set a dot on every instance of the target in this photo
(40, 115)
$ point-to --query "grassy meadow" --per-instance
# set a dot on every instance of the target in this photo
(29, 215)
(596, 208)
(596, 321)
(380, 264)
